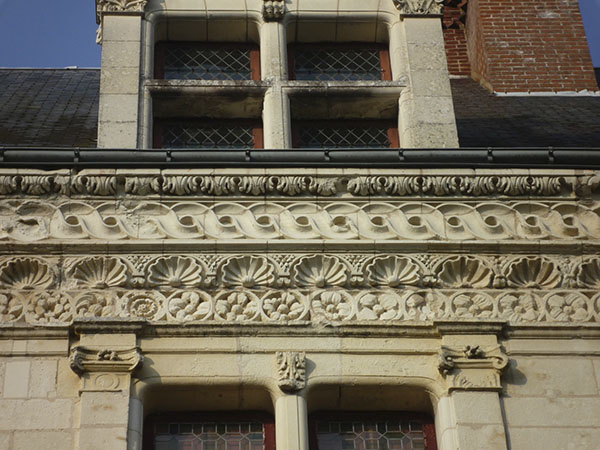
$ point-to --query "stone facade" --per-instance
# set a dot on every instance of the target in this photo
(470, 295)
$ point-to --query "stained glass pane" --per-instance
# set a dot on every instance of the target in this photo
(338, 64)
(189, 62)
(209, 436)
(383, 435)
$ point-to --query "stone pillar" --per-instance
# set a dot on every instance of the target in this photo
(273, 64)
(105, 364)
(291, 417)
(470, 417)
(417, 51)
(120, 34)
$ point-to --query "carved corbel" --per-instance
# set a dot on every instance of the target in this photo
(472, 367)
(105, 369)
(291, 371)
(273, 9)
(420, 7)
(127, 7)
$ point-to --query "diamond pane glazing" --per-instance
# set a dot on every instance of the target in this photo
(207, 136)
(344, 137)
(209, 436)
(197, 63)
(380, 435)
(331, 64)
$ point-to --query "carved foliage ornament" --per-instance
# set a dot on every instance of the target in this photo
(273, 9)
(291, 370)
(116, 6)
(420, 7)
(472, 367)
(84, 359)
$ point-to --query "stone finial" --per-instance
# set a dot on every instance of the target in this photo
(472, 367)
(273, 9)
(291, 370)
(420, 7)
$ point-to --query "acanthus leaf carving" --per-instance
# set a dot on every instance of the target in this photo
(420, 7)
(291, 371)
(472, 367)
(116, 6)
(88, 360)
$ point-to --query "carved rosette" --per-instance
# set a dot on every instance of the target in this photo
(291, 370)
(420, 7)
(105, 369)
(273, 9)
(472, 367)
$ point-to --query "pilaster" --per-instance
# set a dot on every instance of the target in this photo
(105, 364)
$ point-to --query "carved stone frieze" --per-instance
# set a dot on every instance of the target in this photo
(38, 221)
(291, 371)
(91, 184)
(420, 7)
(273, 9)
(472, 367)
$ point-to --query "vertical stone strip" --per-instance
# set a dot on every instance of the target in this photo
(470, 417)
(121, 27)
(426, 111)
(273, 61)
(104, 395)
(291, 416)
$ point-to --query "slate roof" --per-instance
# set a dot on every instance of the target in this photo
(49, 107)
(59, 108)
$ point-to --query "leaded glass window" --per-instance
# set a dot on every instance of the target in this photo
(210, 432)
(195, 61)
(364, 431)
(222, 134)
(345, 134)
(339, 63)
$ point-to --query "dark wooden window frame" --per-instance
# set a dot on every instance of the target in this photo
(391, 126)
(257, 128)
(159, 54)
(425, 419)
(216, 417)
(384, 55)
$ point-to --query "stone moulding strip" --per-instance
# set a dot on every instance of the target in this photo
(273, 182)
(37, 220)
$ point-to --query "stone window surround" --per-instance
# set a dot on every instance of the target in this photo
(341, 26)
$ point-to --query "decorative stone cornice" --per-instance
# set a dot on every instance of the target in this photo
(472, 367)
(273, 9)
(86, 360)
(420, 7)
(291, 371)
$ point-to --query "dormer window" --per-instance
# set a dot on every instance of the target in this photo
(206, 61)
(339, 62)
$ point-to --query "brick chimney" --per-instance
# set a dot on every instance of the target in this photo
(519, 45)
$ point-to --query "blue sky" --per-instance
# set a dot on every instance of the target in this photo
(60, 33)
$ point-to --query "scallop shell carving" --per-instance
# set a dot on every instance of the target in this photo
(393, 271)
(248, 272)
(464, 272)
(26, 273)
(98, 272)
(533, 273)
(175, 271)
(588, 274)
(320, 271)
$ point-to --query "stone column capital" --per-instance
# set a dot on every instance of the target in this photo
(472, 367)
(291, 371)
(273, 9)
(116, 7)
(420, 8)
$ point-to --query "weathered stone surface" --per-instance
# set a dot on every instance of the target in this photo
(39, 440)
(16, 379)
(564, 412)
(36, 414)
(42, 383)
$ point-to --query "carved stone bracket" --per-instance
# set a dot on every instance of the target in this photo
(105, 369)
(116, 6)
(291, 370)
(472, 367)
(420, 7)
(273, 9)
